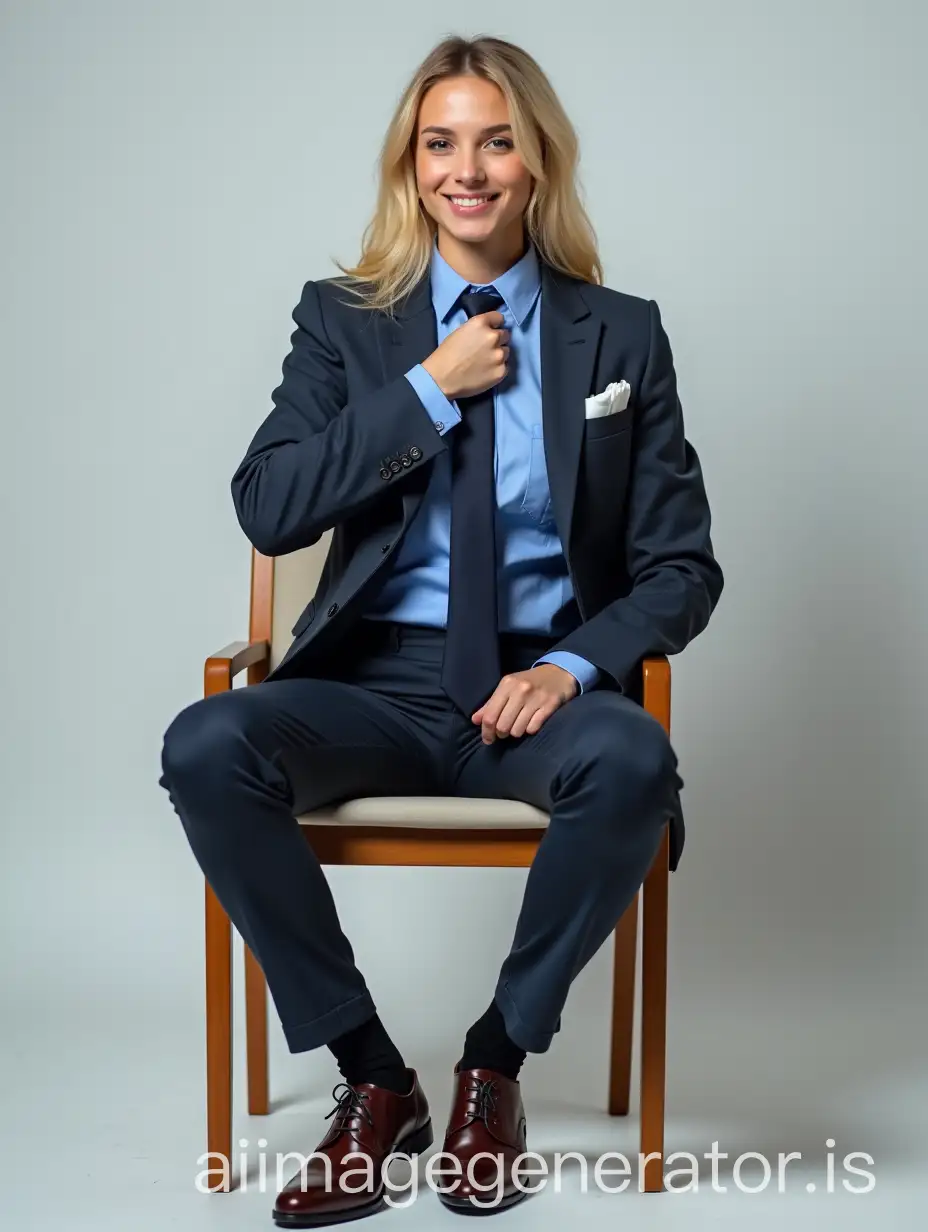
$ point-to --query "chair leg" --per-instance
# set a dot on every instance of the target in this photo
(623, 1010)
(218, 1040)
(256, 1034)
(654, 1016)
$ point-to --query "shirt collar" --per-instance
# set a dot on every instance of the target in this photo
(519, 285)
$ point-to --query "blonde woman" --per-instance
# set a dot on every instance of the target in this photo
(497, 441)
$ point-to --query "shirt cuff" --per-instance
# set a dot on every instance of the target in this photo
(585, 674)
(443, 414)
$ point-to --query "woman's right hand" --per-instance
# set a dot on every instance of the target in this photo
(472, 358)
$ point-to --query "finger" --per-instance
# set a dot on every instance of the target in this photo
(517, 730)
(522, 725)
(490, 724)
(491, 712)
(510, 712)
(491, 716)
(540, 716)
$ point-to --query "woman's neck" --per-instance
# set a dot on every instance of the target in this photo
(482, 264)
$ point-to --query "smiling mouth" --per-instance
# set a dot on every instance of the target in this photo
(469, 201)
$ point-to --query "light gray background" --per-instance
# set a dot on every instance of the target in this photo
(172, 173)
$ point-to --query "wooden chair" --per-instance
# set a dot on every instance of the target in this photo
(424, 830)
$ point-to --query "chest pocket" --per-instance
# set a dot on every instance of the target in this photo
(536, 500)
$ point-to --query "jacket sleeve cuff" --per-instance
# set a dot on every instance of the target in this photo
(581, 669)
(443, 414)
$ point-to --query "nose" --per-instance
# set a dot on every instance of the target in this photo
(468, 172)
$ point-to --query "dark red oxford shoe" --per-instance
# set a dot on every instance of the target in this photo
(486, 1116)
(368, 1119)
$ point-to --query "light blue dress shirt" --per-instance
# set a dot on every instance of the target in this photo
(533, 587)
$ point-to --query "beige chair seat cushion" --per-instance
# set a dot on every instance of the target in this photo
(430, 812)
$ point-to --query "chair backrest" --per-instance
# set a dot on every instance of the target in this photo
(295, 579)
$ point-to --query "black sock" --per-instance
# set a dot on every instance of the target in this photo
(487, 1046)
(367, 1054)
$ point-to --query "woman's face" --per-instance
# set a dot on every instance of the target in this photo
(472, 156)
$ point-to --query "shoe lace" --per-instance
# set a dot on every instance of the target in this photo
(481, 1095)
(350, 1104)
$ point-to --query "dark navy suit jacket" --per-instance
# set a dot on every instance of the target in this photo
(348, 445)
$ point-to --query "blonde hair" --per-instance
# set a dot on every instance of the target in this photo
(397, 243)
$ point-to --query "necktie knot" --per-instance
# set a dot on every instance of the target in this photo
(476, 302)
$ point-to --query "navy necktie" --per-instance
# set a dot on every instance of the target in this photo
(470, 667)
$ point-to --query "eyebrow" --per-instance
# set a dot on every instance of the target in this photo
(485, 132)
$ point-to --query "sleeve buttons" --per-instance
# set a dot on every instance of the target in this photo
(415, 453)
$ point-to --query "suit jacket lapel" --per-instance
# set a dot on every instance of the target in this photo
(570, 332)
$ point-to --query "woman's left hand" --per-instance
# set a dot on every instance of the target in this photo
(522, 701)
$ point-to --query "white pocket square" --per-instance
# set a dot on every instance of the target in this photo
(614, 398)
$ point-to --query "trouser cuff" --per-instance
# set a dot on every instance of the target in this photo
(318, 1031)
(528, 1036)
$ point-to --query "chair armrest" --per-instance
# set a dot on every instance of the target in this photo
(655, 671)
(222, 667)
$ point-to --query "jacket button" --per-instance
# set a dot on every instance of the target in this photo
(395, 467)
(385, 547)
(384, 472)
(332, 610)
(406, 459)
(415, 453)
